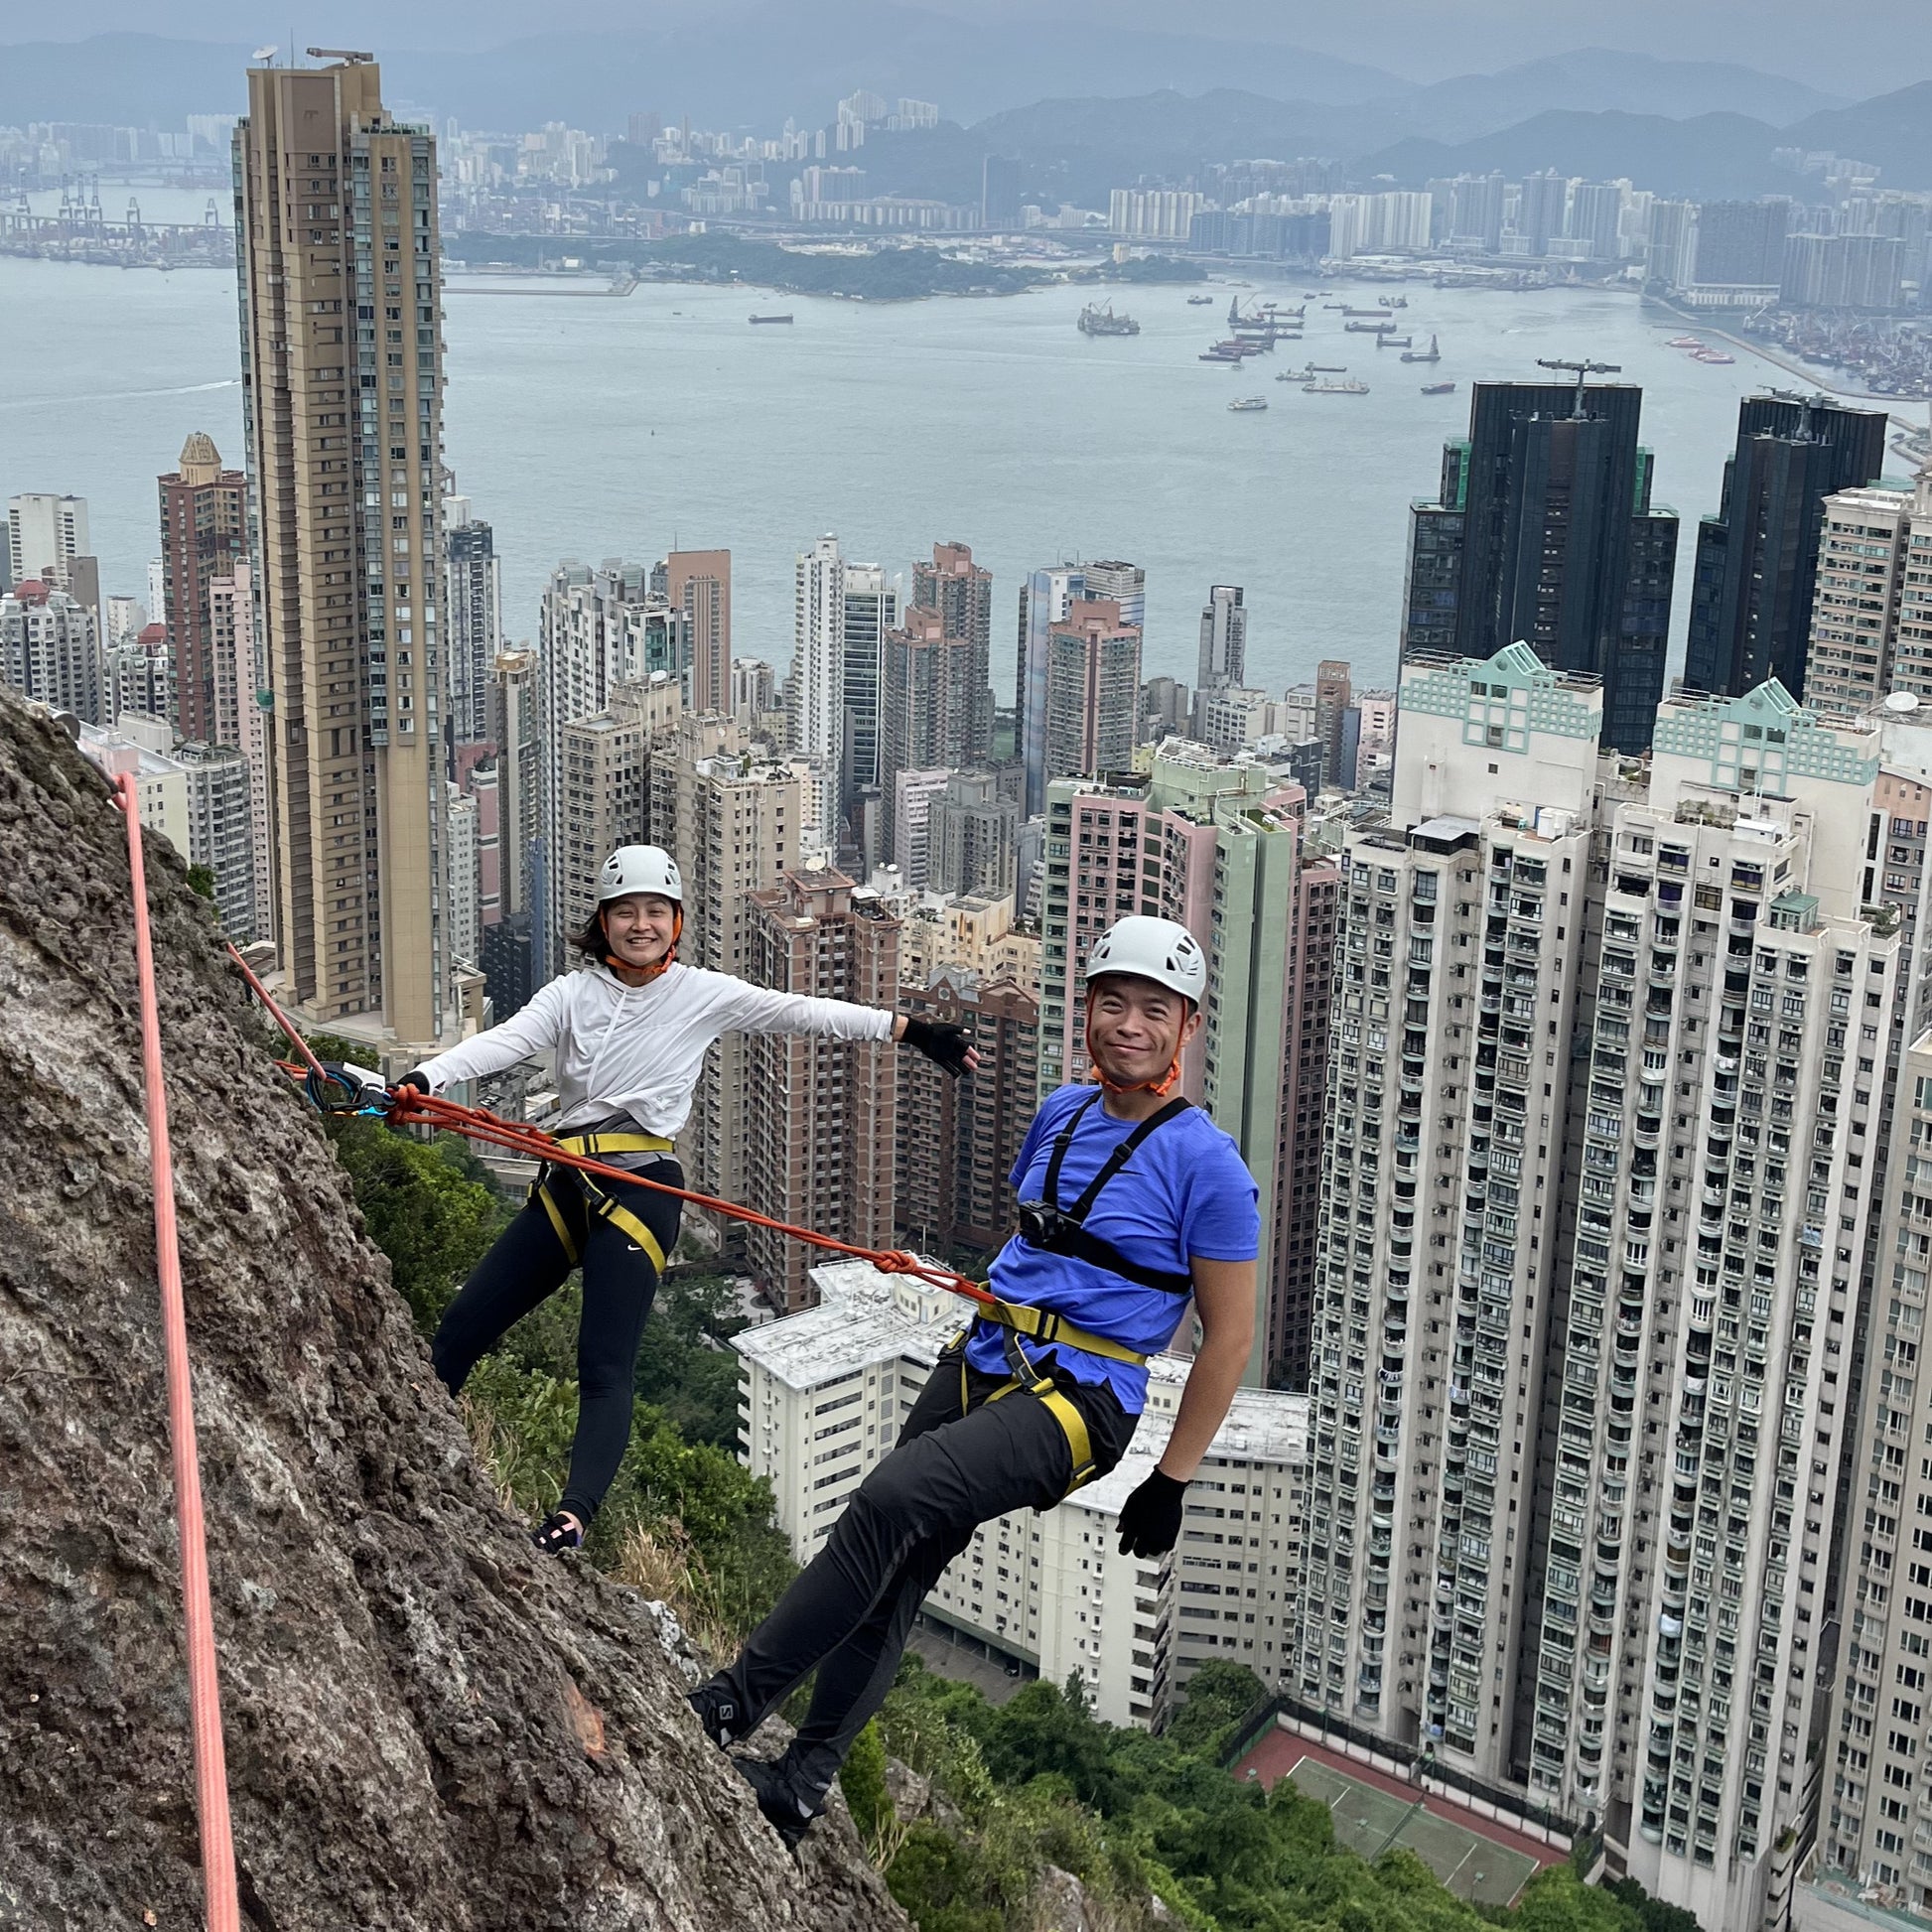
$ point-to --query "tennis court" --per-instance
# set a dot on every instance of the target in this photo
(1371, 1821)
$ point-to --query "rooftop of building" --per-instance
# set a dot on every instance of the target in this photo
(1514, 663)
(866, 1319)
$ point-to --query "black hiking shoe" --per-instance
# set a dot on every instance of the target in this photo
(558, 1532)
(716, 1704)
(784, 1811)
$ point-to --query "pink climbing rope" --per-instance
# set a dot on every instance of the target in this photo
(204, 1684)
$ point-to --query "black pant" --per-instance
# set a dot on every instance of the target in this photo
(957, 1465)
(525, 1266)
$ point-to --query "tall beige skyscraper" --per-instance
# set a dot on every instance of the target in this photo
(342, 406)
(699, 583)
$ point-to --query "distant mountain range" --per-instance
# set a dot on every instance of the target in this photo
(781, 60)
(1149, 104)
(736, 69)
(1703, 157)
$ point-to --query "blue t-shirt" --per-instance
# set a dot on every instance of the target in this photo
(1182, 1192)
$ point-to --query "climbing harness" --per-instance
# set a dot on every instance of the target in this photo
(220, 1897)
(1045, 1225)
(566, 1205)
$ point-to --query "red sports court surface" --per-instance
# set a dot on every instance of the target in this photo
(1476, 1857)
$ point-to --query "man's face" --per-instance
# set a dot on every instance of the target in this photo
(1136, 1028)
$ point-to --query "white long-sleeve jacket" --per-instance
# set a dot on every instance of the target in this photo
(638, 1049)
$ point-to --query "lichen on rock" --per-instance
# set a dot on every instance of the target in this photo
(429, 1726)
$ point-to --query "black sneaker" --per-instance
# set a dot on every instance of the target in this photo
(784, 1811)
(717, 1707)
(558, 1532)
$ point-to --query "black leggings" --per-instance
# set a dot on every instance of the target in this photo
(525, 1266)
(960, 1460)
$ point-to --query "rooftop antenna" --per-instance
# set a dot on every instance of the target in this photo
(1581, 370)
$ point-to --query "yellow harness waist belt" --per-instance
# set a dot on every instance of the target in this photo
(595, 1146)
(1043, 1326)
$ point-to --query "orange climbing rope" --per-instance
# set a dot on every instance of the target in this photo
(204, 1684)
(407, 1108)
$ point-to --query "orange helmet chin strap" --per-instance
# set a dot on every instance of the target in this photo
(650, 972)
(1159, 1088)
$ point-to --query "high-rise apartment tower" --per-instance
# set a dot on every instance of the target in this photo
(1757, 558)
(204, 534)
(1543, 532)
(343, 403)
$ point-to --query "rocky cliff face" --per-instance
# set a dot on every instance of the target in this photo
(428, 1726)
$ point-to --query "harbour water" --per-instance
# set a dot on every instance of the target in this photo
(582, 423)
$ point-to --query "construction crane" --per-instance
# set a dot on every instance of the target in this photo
(1580, 370)
(348, 55)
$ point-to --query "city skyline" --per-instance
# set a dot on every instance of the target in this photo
(1567, 1020)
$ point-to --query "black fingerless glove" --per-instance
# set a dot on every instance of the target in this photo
(1150, 1519)
(942, 1043)
(415, 1081)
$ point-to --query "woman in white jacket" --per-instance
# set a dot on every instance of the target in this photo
(629, 1032)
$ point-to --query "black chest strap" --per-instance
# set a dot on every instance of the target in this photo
(1071, 1237)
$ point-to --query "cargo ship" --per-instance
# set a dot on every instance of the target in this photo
(1432, 354)
(1334, 388)
(1098, 321)
(1439, 388)
(758, 318)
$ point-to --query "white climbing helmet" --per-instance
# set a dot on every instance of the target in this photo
(639, 869)
(1160, 950)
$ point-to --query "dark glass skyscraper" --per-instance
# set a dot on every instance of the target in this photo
(1544, 534)
(1757, 558)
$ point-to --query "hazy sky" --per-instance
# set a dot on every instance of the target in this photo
(1883, 44)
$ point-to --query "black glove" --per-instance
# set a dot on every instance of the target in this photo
(1150, 1519)
(416, 1081)
(942, 1043)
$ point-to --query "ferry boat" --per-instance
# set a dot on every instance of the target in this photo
(1432, 353)
(1350, 388)
(1099, 321)
(1439, 388)
(759, 319)
(1241, 405)
(1201, 302)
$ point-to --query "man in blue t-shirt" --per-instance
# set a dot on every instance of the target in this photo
(1132, 1204)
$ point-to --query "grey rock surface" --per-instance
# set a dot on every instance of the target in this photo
(428, 1725)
